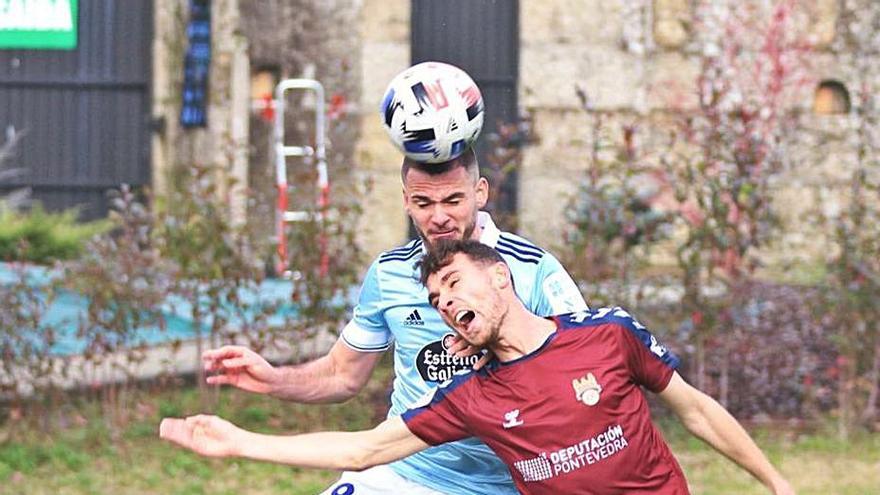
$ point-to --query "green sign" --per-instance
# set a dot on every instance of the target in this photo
(41, 24)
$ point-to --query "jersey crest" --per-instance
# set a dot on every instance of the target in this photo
(587, 389)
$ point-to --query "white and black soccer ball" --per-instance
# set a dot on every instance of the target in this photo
(432, 112)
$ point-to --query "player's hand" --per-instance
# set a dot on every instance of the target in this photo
(240, 367)
(461, 348)
(206, 435)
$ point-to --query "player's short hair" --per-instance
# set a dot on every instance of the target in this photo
(441, 254)
(467, 160)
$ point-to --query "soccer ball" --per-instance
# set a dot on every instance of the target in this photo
(432, 112)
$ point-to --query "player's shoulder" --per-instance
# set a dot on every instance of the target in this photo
(618, 322)
(407, 254)
(612, 317)
(519, 249)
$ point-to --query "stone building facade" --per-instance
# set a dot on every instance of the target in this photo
(635, 59)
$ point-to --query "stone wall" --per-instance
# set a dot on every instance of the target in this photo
(635, 59)
(223, 143)
(384, 51)
(353, 47)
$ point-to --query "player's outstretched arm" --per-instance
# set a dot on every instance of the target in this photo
(335, 377)
(708, 420)
(352, 451)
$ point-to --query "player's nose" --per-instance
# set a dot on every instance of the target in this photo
(445, 304)
(439, 216)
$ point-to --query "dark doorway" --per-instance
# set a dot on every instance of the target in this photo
(481, 37)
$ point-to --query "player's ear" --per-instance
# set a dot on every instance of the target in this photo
(405, 199)
(482, 191)
(501, 275)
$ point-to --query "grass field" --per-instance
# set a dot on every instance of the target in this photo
(83, 455)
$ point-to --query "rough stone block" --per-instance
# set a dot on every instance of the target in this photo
(672, 20)
(567, 22)
(385, 21)
(380, 63)
(549, 74)
(383, 223)
(542, 201)
(563, 138)
(824, 15)
(374, 150)
(671, 82)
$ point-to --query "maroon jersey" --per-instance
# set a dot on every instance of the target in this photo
(570, 417)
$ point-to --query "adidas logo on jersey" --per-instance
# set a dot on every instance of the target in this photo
(414, 318)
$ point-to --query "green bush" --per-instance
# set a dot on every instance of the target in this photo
(39, 236)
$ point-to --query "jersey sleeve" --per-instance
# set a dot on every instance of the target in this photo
(438, 419)
(650, 363)
(556, 293)
(367, 331)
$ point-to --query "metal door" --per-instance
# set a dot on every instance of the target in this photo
(83, 115)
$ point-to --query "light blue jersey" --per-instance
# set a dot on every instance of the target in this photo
(393, 308)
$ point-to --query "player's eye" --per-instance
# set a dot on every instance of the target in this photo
(453, 282)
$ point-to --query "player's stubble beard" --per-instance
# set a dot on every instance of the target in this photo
(468, 233)
(494, 323)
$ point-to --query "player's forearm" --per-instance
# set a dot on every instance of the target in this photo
(352, 451)
(317, 381)
(335, 377)
(325, 450)
(714, 425)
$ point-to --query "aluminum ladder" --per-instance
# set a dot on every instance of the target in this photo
(316, 156)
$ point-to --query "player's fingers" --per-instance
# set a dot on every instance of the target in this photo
(175, 430)
(165, 427)
(468, 350)
(227, 351)
(199, 420)
(234, 363)
(221, 380)
(211, 365)
(483, 361)
(458, 344)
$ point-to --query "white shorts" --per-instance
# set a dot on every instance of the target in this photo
(378, 480)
